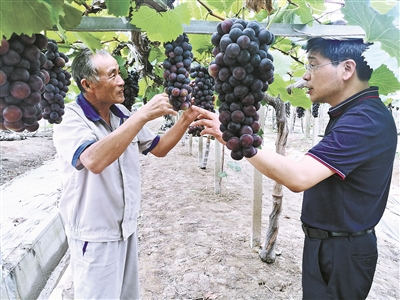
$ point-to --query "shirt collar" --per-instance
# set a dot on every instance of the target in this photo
(92, 114)
(371, 92)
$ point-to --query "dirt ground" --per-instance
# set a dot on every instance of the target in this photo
(194, 243)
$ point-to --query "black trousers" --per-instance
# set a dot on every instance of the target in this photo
(339, 267)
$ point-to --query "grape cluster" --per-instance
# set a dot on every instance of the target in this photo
(242, 69)
(176, 72)
(131, 89)
(315, 108)
(28, 78)
(300, 112)
(56, 88)
(203, 93)
(288, 107)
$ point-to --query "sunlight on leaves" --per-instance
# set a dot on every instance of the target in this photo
(385, 79)
(89, 40)
(377, 27)
(118, 8)
(40, 17)
(162, 27)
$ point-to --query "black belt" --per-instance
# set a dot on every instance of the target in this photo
(324, 234)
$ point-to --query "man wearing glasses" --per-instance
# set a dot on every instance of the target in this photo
(345, 177)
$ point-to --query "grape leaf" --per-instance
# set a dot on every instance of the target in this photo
(89, 40)
(385, 80)
(13, 20)
(317, 5)
(156, 55)
(198, 11)
(222, 174)
(118, 8)
(383, 6)
(121, 63)
(375, 57)
(282, 63)
(162, 27)
(377, 27)
(220, 5)
(304, 12)
(71, 16)
(201, 43)
(298, 97)
(233, 165)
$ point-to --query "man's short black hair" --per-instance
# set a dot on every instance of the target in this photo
(341, 50)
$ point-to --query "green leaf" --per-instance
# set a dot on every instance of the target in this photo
(220, 5)
(377, 27)
(385, 80)
(121, 63)
(156, 55)
(222, 174)
(282, 63)
(383, 6)
(233, 165)
(162, 27)
(304, 12)
(297, 98)
(201, 43)
(71, 16)
(198, 11)
(89, 40)
(376, 57)
(25, 16)
(118, 8)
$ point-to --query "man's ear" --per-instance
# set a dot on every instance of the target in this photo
(85, 84)
(349, 68)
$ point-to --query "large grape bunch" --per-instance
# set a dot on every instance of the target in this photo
(176, 72)
(203, 93)
(242, 69)
(24, 76)
(131, 89)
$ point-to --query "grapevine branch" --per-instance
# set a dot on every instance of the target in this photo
(210, 12)
(288, 54)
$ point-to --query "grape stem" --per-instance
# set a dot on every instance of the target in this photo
(210, 11)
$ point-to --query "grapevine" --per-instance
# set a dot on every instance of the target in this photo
(131, 89)
(30, 80)
(176, 72)
(243, 69)
(203, 93)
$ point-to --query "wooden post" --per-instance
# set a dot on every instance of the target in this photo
(190, 143)
(200, 154)
(217, 166)
(315, 131)
(255, 239)
(307, 116)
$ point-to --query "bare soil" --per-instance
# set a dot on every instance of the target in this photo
(195, 243)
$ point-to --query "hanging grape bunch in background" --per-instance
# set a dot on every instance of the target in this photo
(242, 69)
(203, 93)
(315, 109)
(33, 82)
(300, 111)
(131, 89)
(52, 103)
(176, 72)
